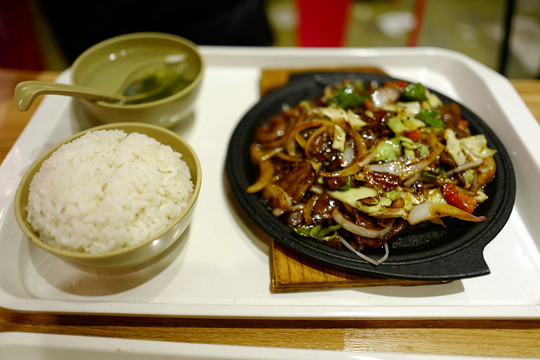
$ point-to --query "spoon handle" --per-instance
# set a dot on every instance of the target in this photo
(26, 92)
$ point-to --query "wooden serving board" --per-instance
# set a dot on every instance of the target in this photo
(274, 78)
(291, 272)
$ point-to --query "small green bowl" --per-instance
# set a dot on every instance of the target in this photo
(106, 65)
(132, 255)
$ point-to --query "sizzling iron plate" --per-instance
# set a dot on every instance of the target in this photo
(424, 251)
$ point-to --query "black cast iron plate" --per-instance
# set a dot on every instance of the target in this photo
(423, 252)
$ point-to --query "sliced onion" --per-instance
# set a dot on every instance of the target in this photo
(359, 143)
(309, 143)
(271, 153)
(348, 156)
(414, 169)
(266, 171)
(287, 157)
(309, 208)
(464, 167)
(273, 131)
(300, 140)
(367, 258)
(277, 197)
(367, 159)
(290, 144)
(351, 170)
(434, 211)
(384, 96)
(317, 189)
(386, 253)
(410, 181)
(360, 230)
(390, 167)
(278, 212)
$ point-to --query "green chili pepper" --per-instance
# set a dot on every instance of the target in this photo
(415, 92)
(393, 195)
(302, 230)
(346, 97)
(328, 230)
(347, 185)
(429, 174)
(430, 117)
(316, 231)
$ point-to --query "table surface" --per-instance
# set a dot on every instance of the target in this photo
(503, 338)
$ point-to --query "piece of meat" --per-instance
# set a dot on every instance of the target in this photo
(298, 181)
(380, 180)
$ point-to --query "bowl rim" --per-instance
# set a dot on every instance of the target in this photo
(31, 234)
(145, 35)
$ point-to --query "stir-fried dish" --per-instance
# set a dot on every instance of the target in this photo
(362, 162)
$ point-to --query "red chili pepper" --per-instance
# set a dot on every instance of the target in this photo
(398, 84)
(414, 135)
(462, 124)
(458, 199)
(369, 104)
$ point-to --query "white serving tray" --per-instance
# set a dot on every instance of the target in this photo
(220, 267)
(30, 346)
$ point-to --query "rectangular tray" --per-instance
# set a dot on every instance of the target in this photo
(220, 266)
(30, 346)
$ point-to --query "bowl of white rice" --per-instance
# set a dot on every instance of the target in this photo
(113, 196)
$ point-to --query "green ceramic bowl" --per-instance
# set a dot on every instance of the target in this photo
(132, 255)
(108, 64)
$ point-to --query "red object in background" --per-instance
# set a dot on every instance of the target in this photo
(418, 12)
(19, 47)
(322, 23)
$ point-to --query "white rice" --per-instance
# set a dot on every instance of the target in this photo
(107, 190)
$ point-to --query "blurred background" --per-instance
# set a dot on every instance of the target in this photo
(502, 34)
